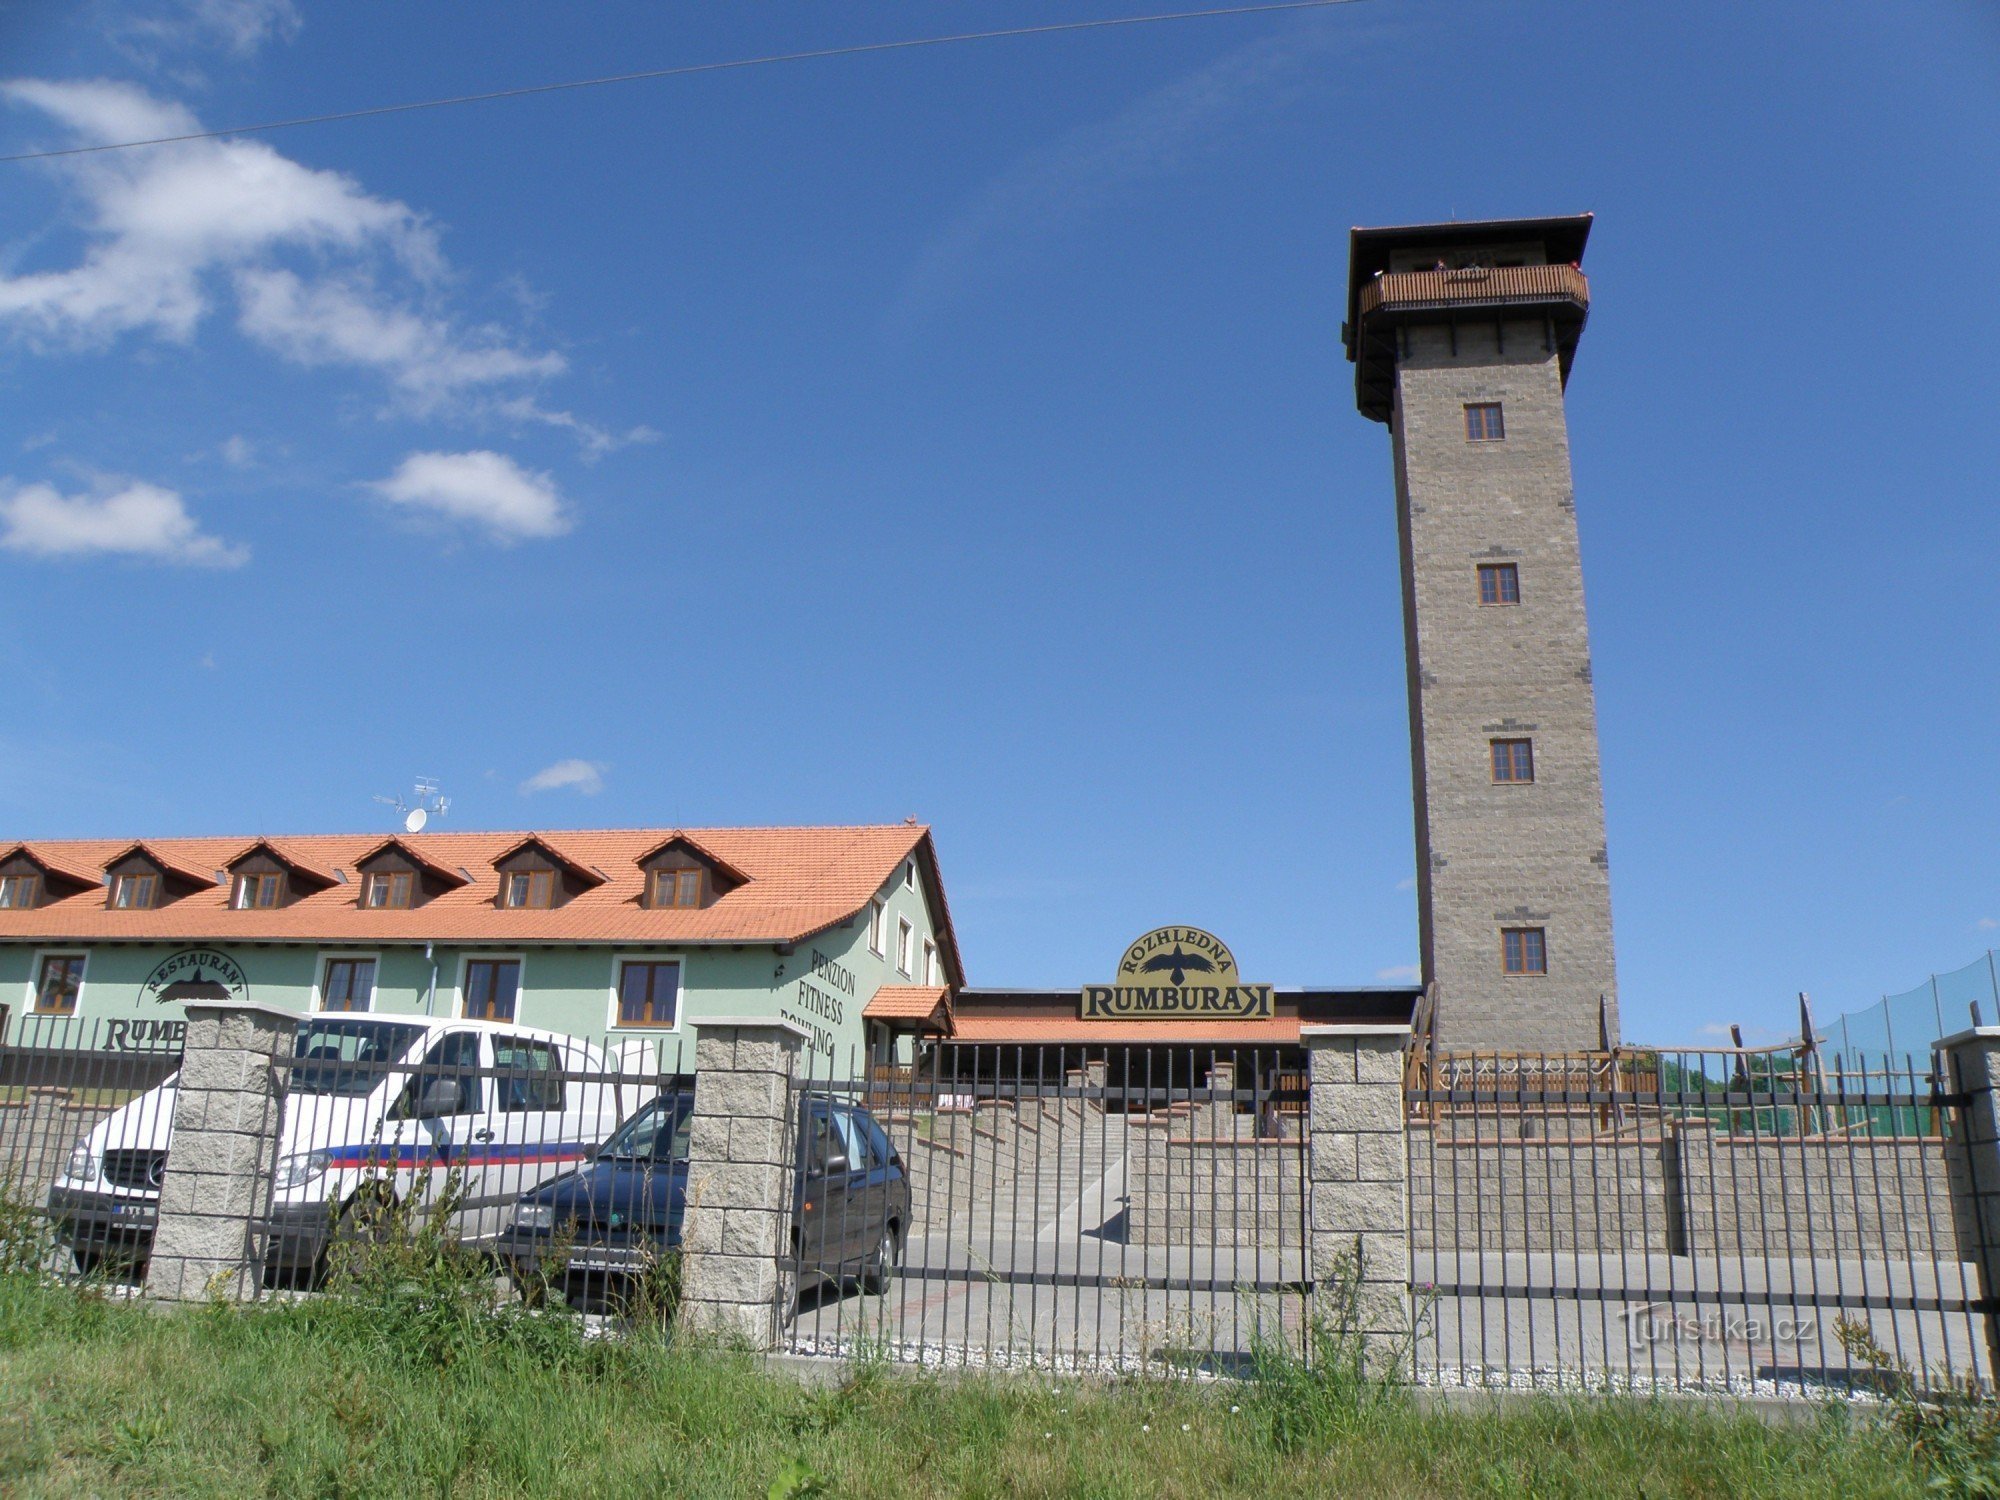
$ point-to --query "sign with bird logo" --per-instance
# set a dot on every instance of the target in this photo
(1177, 974)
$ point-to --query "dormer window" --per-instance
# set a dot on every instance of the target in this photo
(19, 892)
(257, 891)
(674, 889)
(135, 892)
(390, 889)
(535, 889)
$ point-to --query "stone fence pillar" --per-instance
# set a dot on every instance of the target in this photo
(223, 1151)
(1972, 1069)
(1358, 1231)
(737, 1276)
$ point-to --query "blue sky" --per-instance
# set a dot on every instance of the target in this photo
(923, 434)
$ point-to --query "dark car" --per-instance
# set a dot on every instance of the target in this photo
(599, 1232)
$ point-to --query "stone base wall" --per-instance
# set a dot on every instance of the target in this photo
(1682, 1192)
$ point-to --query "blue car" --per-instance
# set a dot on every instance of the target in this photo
(613, 1220)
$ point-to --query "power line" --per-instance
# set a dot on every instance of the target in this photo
(687, 71)
(728, 65)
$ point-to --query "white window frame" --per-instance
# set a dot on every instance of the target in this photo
(930, 962)
(878, 927)
(329, 955)
(612, 1021)
(520, 989)
(906, 947)
(33, 1005)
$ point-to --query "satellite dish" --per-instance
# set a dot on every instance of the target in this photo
(414, 822)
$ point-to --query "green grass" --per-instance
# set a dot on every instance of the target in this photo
(338, 1397)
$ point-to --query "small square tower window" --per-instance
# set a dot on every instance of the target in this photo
(1499, 583)
(1513, 761)
(1483, 422)
(1524, 950)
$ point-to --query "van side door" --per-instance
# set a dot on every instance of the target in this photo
(446, 1098)
(531, 1124)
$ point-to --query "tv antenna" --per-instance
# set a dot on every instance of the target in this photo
(424, 803)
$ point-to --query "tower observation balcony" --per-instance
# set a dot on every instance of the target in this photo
(1386, 296)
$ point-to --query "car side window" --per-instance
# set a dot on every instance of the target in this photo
(854, 1143)
(446, 1082)
(530, 1074)
(878, 1139)
(820, 1140)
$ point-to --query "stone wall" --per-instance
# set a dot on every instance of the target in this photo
(1683, 1192)
(1492, 856)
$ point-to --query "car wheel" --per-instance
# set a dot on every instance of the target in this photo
(880, 1267)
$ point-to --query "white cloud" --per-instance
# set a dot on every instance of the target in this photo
(595, 441)
(158, 223)
(134, 519)
(245, 25)
(345, 320)
(1399, 974)
(238, 26)
(238, 451)
(484, 489)
(1407, 883)
(1986, 924)
(586, 776)
(319, 271)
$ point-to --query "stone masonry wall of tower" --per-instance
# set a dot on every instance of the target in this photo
(1494, 856)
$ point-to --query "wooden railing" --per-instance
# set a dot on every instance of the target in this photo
(1476, 284)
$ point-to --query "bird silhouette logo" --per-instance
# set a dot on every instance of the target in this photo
(1176, 965)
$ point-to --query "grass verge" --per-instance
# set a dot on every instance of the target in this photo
(340, 1396)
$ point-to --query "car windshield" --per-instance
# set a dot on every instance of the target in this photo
(659, 1132)
(347, 1057)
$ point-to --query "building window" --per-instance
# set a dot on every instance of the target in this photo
(906, 947)
(58, 985)
(18, 892)
(1524, 950)
(492, 986)
(930, 962)
(529, 888)
(876, 913)
(349, 984)
(256, 892)
(649, 994)
(1499, 583)
(134, 892)
(1483, 423)
(910, 874)
(676, 888)
(1513, 761)
(388, 888)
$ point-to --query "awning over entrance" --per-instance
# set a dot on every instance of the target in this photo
(911, 1007)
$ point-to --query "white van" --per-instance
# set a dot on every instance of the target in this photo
(394, 1102)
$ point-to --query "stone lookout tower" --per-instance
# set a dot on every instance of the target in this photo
(1462, 337)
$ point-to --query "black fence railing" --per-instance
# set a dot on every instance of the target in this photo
(1046, 1206)
(1723, 1221)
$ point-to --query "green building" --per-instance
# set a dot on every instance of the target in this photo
(625, 934)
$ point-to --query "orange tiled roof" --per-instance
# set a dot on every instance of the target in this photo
(906, 1002)
(972, 1027)
(800, 881)
(50, 858)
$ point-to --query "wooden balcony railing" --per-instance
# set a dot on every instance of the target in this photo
(1475, 285)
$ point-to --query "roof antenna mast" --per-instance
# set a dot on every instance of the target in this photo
(424, 803)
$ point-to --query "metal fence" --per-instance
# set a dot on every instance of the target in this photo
(1689, 1221)
(1046, 1207)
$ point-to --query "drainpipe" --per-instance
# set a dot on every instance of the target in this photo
(430, 1000)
